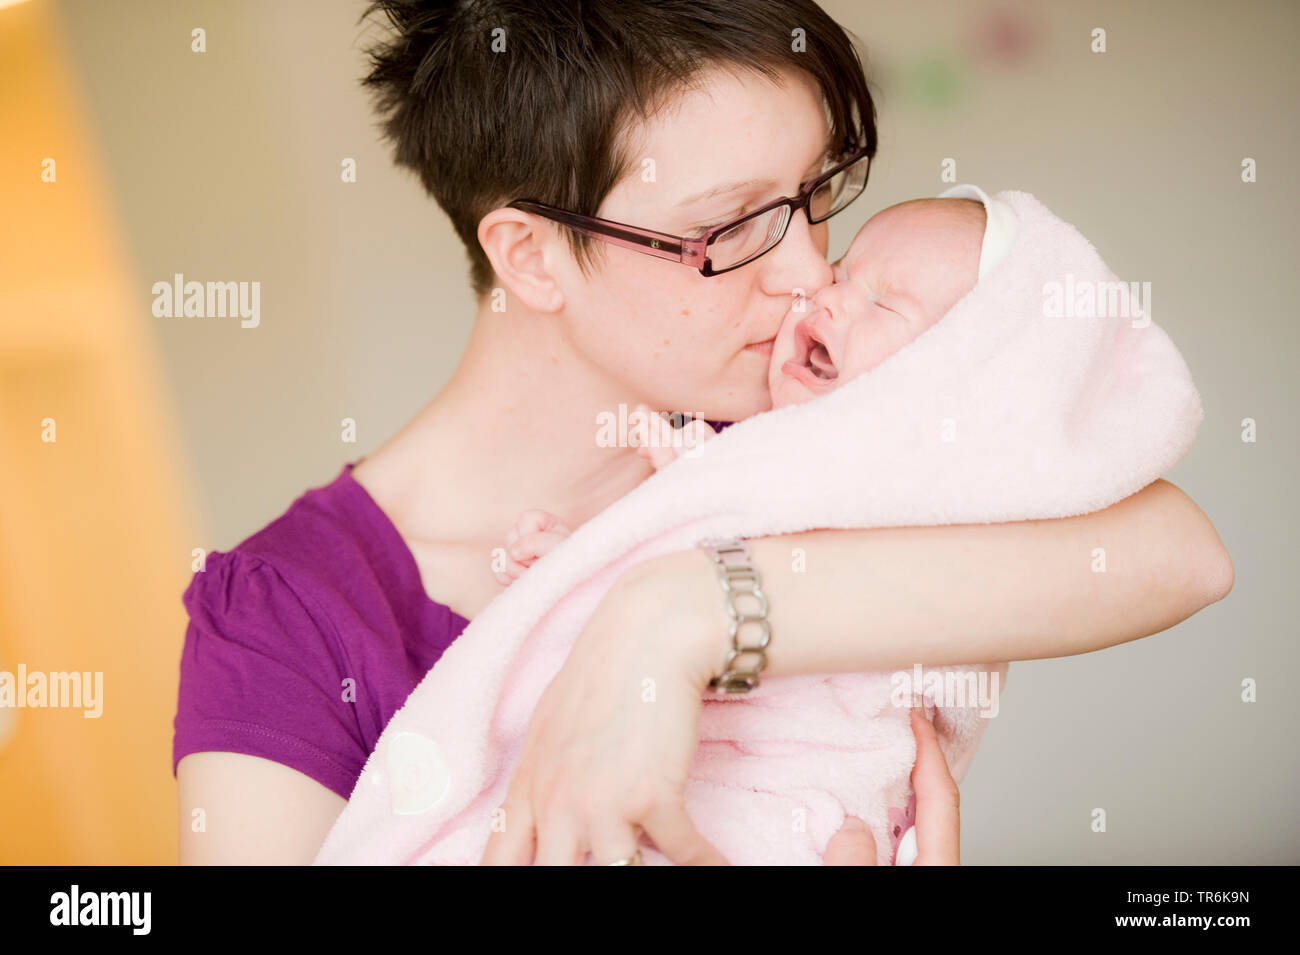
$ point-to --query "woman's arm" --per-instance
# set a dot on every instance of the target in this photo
(881, 599)
(598, 768)
(253, 811)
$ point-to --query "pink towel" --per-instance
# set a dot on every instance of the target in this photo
(1016, 406)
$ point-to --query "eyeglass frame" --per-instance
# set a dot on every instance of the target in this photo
(689, 251)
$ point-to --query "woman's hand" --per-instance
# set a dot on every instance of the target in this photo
(938, 801)
(938, 820)
(612, 738)
(938, 823)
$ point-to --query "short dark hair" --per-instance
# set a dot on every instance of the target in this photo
(545, 119)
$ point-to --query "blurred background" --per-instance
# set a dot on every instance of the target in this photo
(171, 436)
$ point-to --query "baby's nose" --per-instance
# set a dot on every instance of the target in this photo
(828, 300)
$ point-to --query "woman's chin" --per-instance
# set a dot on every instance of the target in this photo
(739, 403)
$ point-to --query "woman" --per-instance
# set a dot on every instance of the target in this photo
(669, 116)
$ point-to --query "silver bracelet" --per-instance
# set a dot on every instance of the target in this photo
(740, 583)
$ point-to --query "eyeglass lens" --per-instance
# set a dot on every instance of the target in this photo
(751, 238)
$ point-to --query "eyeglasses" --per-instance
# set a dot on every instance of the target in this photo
(731, 244)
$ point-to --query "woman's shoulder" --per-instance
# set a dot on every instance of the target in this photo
(334, 565)
(306, 637)
(323, 529)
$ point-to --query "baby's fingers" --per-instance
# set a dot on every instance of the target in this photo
(652, 430)
(643, 426)
(695, 433)
(534, 520)
(509, 573)
(529, 547)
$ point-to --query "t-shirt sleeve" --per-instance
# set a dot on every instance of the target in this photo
(262, 673)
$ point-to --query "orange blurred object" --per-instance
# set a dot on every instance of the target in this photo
(95, 525)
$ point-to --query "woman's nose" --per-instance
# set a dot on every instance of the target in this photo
(799, 261)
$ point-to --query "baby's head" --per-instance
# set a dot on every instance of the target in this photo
(906, 267)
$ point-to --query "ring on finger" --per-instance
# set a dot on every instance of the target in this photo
(633, 859)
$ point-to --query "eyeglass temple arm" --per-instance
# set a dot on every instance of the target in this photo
(659, 244)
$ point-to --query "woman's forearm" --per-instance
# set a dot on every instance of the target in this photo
(854, 600)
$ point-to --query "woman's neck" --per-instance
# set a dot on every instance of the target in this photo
(514, 428)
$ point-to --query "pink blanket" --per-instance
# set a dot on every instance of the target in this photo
(1021, 403)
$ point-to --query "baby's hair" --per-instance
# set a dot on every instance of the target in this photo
(494, 100)
(973, 208)
(970, 210)
(970, 203)
(942, 201)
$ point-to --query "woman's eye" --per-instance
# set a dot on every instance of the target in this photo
(699, 231)
(736, 233)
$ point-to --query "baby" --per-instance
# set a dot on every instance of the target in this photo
(906, 267)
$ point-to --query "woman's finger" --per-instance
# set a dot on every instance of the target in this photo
(514, 842)
(852, 845)
(560, 842)
(613, 840)
(676, 837)
(938, 802)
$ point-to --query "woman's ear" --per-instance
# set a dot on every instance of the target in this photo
(516, 244)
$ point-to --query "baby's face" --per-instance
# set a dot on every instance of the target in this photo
(906, 267)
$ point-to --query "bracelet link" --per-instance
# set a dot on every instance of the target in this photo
(740, 582)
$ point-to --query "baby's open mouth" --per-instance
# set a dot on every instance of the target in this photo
(812, 362)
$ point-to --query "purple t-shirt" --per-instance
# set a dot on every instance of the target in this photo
(307, 637)
(327, 593)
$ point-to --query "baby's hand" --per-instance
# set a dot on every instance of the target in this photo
(659, 442)
(535, 534)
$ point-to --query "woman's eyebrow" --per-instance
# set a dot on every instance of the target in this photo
(814, 169)
(728, 189)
